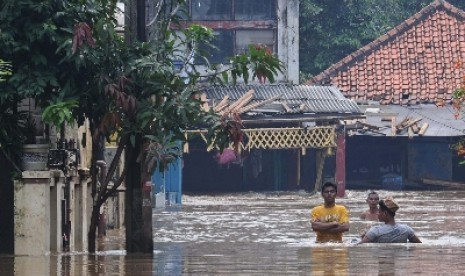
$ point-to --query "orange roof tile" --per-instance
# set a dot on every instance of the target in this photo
(417, 56)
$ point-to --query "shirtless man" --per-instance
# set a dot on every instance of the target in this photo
(372, 212)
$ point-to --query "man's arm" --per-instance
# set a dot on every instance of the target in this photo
(367, 234)
(414, 239)
(365, 239)
(363, 215)
(323, 226)
(342, 227)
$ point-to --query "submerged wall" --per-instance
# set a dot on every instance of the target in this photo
(257, 170)
(41, 219)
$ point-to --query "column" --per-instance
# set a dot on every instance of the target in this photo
(32, 213)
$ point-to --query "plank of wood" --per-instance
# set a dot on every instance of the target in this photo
(407, 124)
(221, 104)
(444, 183)
(393, 126)
(286, 107)
(243, 100)
(369, 125)
(257, 104)
(410, 132)
(404, 122)
(423, 129)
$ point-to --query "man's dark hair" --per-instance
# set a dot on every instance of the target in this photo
(383, 207)
(372, 193)
(329, 184)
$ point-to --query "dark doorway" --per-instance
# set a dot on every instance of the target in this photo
(6, 206)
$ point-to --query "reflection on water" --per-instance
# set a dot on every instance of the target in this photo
(269, 233)
(334, 261)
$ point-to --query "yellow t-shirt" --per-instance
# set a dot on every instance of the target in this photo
(337, 213)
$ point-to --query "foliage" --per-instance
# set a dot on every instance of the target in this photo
(260, 61)
(36, 39)
(332, 29)
(12, 124)
(458, 99)
(27, 125)
(5, 70)
(129, 88)
(14, 130)
(60, 113)
(159, 155)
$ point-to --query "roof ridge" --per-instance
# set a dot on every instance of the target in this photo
(388, 36)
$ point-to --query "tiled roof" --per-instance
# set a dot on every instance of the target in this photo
(411, 64)
(293, 99)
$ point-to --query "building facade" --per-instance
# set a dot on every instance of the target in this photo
(239, 23)
(405, 81)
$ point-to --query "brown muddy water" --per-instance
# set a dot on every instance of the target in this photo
(270, 234)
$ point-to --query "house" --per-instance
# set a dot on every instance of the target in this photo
(408, 73)
(289, 130)
(239, 23)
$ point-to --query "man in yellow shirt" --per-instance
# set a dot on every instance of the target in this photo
(329, 220)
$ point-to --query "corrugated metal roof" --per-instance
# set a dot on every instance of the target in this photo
(302, 99)
(440, 119)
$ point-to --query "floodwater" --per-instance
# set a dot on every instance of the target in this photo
(270, 234)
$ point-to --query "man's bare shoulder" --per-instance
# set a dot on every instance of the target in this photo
(367, 215)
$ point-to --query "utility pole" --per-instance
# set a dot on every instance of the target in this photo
(138, 207)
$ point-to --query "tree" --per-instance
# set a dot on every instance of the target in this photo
(458, 100)
(4, 70)
(131, 88)
(8, 121)
(331, 29)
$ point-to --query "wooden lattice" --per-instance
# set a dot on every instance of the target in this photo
(290, 138)
(285, 138)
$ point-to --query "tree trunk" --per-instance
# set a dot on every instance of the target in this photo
(138, 212)
(320, 163)
(94, 220)
(100, 194)
(147, 225)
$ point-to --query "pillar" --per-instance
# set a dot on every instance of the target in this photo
(341, 163)
(80, 213)
(56, 195)
(32, 213)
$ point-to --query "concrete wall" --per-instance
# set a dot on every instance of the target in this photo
(288, 38)
(32, 214)
(38, 212)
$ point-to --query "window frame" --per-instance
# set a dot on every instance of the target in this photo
(232, 15)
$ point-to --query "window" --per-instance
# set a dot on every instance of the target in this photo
(229, 43)
(246, 37)
(224, 44)
(255, 9)
(169, 6)
(211, 10)
(243, 9)
(234, 37)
